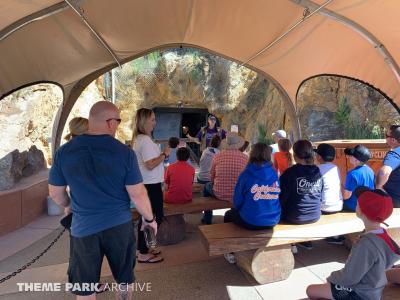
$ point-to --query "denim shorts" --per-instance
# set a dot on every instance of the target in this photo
(86, 256)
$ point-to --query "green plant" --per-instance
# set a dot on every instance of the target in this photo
(342, 115)
(355, 128)
(262, 135)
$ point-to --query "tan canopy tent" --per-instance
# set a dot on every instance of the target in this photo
(72, 42)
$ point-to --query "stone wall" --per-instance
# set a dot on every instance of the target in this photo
(319, 100)
(26, 118)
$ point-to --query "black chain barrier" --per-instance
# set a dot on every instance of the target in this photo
(33, 260)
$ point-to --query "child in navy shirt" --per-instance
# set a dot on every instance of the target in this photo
(361, 175)
(301, 187)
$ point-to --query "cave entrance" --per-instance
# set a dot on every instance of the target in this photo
(170, 121)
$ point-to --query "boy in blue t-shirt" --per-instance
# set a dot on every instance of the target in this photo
(361, 175)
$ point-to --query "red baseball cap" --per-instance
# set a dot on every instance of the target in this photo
(376, 205)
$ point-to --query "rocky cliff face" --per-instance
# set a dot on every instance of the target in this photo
(26, 118)
(235, 94)
(321, 100)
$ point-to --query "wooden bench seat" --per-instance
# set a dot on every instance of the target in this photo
(273, 261)
(197, 205)
(172, 229)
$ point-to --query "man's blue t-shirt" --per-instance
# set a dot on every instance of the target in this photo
(392, 186)
(96, 168)
(359, 176)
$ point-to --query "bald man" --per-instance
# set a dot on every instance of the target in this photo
(103, 176)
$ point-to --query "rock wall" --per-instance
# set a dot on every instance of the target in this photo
(26, 118)
(319, 100)
(235, 94)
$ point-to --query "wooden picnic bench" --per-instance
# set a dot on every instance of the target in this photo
(173, 228)
(266, 254)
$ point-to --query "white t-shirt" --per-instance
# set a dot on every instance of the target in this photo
(332, 199)
(146, 150)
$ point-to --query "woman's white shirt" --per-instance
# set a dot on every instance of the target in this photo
(145, 150)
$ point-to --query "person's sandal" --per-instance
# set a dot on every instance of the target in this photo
(150, 260)
(155, 251)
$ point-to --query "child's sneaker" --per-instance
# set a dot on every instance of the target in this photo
(336, 240)
(230, 257)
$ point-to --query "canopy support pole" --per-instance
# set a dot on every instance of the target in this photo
(79, 11)
(306, 16)
(387, 57)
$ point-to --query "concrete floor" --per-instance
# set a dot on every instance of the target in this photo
(186, 273)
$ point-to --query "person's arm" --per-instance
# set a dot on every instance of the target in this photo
(212, 171)
(59, 195)
(347, 194)
(138, 195)
(285, 188)
(383, 176)
(57, 182)
(238, 195)
(167, 177)
(149, 155)
(154, 162)
(349, 187)
(276, 165)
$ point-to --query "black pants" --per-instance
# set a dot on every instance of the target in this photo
(233, 215)
(86, 257)
(156, 199)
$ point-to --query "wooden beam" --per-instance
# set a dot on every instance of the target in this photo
(267, 265)
(227, 237)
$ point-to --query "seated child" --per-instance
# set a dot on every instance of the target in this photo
(332, 199)
(256, 197)
(363, 276)
(179, 179)
(361, 175)
(206, 159)
(283, 159)
(301, 187)
(173, 143)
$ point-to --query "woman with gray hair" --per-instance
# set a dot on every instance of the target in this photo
(151, 166)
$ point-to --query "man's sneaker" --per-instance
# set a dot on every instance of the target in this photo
(230, 257)
(336, 240)
(306, 245)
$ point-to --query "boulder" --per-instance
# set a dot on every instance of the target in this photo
(11, 167)
(16, 165)
(35, 162)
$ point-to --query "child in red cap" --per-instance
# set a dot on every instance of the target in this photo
(363, 276)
